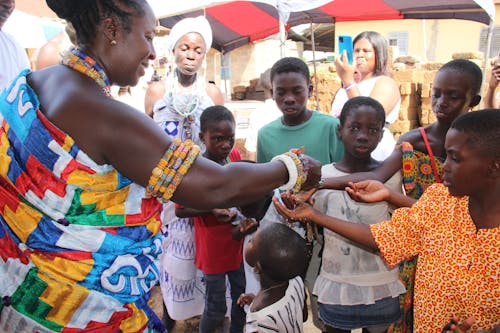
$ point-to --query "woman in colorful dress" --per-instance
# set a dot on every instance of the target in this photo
(81, 175)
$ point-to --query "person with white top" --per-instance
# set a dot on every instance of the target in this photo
(13, 58)
(370, 63)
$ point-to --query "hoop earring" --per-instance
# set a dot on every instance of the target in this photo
(113, 42)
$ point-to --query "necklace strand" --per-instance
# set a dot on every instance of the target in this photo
(275, 286)
(77, 60)
(191, 101)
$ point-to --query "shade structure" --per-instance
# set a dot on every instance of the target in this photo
(235, 23)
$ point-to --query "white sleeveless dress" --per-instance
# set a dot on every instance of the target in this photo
(181, 282)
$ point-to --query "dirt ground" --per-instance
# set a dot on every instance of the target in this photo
(192, 325)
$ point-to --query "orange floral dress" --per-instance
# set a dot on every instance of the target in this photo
(458, 265)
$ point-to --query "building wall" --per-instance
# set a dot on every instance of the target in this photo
(249, 61)
(441, 38)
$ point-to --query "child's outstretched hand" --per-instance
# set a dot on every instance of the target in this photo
(368, 191)
(245, 299)
(454, 326)
(247, 226)
(293, 208)
(224, 215)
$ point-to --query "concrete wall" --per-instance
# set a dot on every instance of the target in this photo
(249, 61)
(441, 38)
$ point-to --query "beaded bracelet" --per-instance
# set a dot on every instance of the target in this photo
(171, 169)
(291, 168)
(297, 173)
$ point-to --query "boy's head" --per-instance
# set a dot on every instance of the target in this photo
(291, 87)
(361, 126)
(278, 251)
(217, 126)
(472, 163)
(456, 89)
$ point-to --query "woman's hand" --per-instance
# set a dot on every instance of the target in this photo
(313, 174)
(368, 191)
(345, 71)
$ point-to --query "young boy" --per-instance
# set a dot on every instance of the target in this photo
(454, 229)
(299, 127)
(217, 254)
(280, 256)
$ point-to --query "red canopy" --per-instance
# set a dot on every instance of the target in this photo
(239, 22)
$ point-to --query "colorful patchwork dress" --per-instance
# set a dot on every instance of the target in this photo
(79, 243)
(420, 170)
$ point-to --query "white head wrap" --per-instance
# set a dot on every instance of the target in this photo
(198, 24)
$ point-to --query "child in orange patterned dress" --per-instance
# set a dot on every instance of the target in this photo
(454, 229)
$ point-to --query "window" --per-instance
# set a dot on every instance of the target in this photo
(495, 41)
(399, 39)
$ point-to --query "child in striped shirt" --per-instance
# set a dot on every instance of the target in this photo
(280, 256)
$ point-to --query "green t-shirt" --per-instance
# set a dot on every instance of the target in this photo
(318, 135)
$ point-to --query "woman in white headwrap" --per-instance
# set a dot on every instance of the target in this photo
(176, 104)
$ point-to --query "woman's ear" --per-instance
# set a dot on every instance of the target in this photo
(111, 30)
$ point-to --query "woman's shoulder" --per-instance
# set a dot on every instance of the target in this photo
(386, 80)
(215, 94)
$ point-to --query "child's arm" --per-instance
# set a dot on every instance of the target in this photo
(374, 191)
(246, 226)
(382, 173)
(357, 232)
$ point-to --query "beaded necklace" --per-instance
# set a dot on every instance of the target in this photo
(184, 104)
(77, 60)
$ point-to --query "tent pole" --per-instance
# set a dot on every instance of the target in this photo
(314, 67)
(282, 34)
(487, 58)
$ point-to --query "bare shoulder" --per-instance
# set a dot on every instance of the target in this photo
(387, 81)
(156, 89)
(215, 94)
(414, 137)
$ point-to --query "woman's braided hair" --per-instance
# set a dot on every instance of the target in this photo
(85, 15)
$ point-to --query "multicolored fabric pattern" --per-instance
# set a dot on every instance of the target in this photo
(417, 170)
(79, 244)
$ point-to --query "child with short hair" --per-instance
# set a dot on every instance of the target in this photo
(454, 228)
(217, 254)
(280, 256)
(355, 287)
(299, 127)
